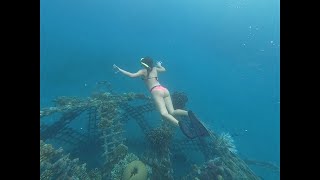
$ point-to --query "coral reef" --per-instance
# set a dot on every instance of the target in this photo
(117, 170)
(104, 100)
(212, 169)
(56, 165)
(106, 113)
(224, 163)
(179, 100)
(225, 142)
(117, 154)
(158, 155)
(161, 166)
(160, 138)
(162, 169)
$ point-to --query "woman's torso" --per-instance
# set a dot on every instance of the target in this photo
(151, 79)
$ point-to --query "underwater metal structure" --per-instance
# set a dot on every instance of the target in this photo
(104, 115)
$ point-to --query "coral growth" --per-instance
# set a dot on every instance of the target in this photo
(136, 170)
(225, 141)
(212, 169)
(106, 101)
(106, 113)
(56, 165)
(160, 163)
(117, 154)
(179, 100)
(160, 138)
(117, 171)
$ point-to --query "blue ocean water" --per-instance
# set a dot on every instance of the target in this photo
(223, 54)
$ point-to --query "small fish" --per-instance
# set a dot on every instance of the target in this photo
(103, 82)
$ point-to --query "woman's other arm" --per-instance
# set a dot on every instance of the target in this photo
(129, 74)
(159, 67)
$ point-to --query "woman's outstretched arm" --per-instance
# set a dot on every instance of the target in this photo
(132, 75)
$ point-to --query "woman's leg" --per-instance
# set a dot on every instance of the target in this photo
(161, 106)
(170, 108)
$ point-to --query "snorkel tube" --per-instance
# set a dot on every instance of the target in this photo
(144, 64)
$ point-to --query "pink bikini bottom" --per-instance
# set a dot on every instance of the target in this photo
(158, 87)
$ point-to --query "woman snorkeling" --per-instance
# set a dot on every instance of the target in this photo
(162, 98)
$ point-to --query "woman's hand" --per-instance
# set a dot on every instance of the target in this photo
(116, 68)
(159, 63)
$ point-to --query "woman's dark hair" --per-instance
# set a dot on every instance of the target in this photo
(147, 60)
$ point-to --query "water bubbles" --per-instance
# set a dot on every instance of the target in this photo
(252, 31)
(253, 38)
(251, 35)
(237, 4)
(274, 44)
